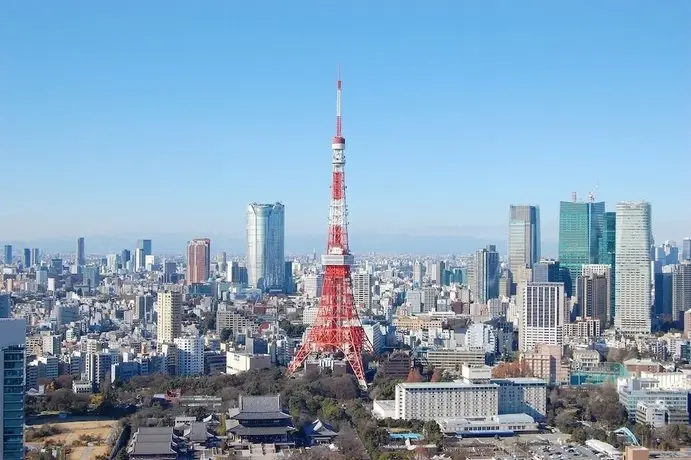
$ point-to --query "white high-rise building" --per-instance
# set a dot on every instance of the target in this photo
(362, 290)
(169, 318)
(543, 315)
(632, 283)
(481, 335)
(190, 355)
(312, 285)
(265, 246)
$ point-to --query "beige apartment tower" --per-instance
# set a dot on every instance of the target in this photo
(169, 324)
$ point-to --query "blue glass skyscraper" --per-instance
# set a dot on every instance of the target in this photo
(12, 362)
(580, 233)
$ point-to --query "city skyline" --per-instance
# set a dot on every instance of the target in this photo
(499, 95)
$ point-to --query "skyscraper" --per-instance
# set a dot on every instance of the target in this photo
(265, 246)
(593, 296)
(524, 237)
(145, 245)
(125, 257)
(580, 233)
(362, 290)
(543, 315)
(686, 249)
(12, 386)
(27, 258)
(169, 321)
(8, 254)
(5, 305)
(198, 261)
(633, 278)
(80, 259)
(681, 290)
(35, 256)
(608, 246)
(486, 274)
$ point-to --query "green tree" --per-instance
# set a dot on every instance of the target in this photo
(226, 334)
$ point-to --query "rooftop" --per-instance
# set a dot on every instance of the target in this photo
(444, 385)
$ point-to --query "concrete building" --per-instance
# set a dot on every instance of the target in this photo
(633, 391)
(190, 355)
(481, 335)
(12, 386)
(198, 261)
(430, 401)
(312, 285)
(523, 396)
(169, 320)
(546, 363)
(265, 246)
(80, 259)
(237, 362)
(593, 297)
(362, 290)
(453, 360)
(543, 315)
(681, 290)
(633, 274)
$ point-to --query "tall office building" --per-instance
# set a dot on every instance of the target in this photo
(12, 386)
(35, 256)
(8, 254)
(593, 297)
(524, 237)
(362, 290)
(632, 281)
(599, 281)
(580, 232)
(486, 273)
(198, 261)
(125, 257)
(547, 271)
(434, 269)
(190, 355)
(26, 260)
(80, 259)
(139, 259)
(145, 245)
(681, 290)
(5, 305)
(608, 246)
(289, 284)
(543, 315)
(265, 246)
(663, 293)
(667, 253)
(686, 249)
(169, 312)
(418, 273)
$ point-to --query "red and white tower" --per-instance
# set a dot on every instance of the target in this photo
(337, 327)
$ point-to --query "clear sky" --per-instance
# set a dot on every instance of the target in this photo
(147, 117)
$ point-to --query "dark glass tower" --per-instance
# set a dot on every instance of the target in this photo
(608, 244)
(580, 231)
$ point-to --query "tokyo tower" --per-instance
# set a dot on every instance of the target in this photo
(337, 327)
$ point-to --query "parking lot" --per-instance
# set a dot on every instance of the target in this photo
(545, 446)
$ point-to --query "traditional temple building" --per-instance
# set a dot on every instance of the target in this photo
(260, 420)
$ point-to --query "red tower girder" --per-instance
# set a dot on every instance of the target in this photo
(337, 327)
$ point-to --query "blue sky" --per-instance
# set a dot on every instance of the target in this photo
(148, 117)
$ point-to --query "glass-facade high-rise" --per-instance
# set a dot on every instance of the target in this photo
(12, 363)
(486, 270)
(608, 246)
(265, 246)
(524, 237)
(8, 254)
(580, 231)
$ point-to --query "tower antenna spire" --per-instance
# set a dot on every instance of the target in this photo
(339, 132)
